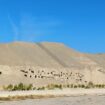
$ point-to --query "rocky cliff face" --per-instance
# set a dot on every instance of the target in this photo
(46, 63)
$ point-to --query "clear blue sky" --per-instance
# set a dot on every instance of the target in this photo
(79, 24)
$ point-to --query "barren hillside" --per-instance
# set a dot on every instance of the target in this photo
(44, 63)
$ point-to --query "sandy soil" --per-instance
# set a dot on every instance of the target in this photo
(71, 97)
(73, 100)
(56, 92)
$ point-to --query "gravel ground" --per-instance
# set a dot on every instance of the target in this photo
(76, 100)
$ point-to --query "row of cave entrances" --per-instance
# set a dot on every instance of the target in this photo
(0, 72)
(80, 76)
(26, 74)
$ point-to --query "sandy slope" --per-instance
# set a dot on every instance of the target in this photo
(48, 63)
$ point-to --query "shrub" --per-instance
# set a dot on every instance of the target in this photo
(34, 88)
(90, 85)
(9, 87)
(20, 86)
(68, 86)
(54, 86)
(102, 85)
(41, 88)
(71, 86)
(82, 86)
(15, 88)
(75, 86)
(30, 87)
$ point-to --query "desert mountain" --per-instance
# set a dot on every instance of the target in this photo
(43, 63)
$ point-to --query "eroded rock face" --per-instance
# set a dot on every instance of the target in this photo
(48, 63)
(42, 76)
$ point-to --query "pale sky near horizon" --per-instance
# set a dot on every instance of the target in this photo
(80, 24)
